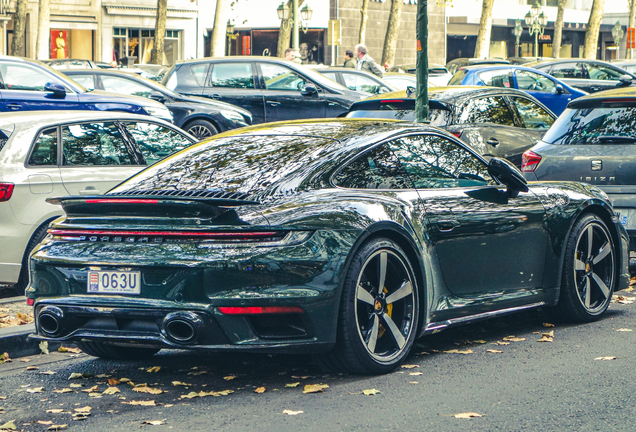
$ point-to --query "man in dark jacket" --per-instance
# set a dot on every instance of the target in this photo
(366, 63)
(350, 62)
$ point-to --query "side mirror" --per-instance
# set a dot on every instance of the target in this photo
(382, 90)
(158, 96)
(624, 80)
(58, 90)
(560, 89)
(309, 90)
(508, 174)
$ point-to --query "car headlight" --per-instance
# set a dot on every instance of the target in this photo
(233, 116)
(161, 112)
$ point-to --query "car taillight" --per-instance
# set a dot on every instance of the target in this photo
(6, 190)
(457, 134)
(258, 310)
(530, 161)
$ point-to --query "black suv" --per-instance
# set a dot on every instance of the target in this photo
(593, 142)
(272, 89)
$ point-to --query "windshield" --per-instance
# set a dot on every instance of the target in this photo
(593, 126)
(458, 77)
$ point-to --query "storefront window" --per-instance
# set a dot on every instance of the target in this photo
(74, 44)
(140, 42)
(498, 49)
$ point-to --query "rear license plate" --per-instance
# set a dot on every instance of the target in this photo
(119, 282)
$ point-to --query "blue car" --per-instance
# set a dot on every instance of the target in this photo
(548, 90)
(28, 85)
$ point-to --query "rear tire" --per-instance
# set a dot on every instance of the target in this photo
(589, 271)
(23, 280)
(379, 311)
(114, 352)
(201, 129)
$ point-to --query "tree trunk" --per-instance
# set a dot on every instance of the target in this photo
(220, 28)
(19, 27)
(363, 22)
(558, 30)
(392, 31)
(284, 36)
(156, 55)
(632, 22)
(482, 49)
(42, 47)
(592, 29)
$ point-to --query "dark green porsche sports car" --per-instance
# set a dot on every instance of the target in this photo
(348, 238)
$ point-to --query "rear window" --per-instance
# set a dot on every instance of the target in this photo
(593, 126)
(458, 77)
(3, 139)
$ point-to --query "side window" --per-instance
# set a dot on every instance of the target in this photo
(156, 141)
(281, 78)
(199, 72)
(533, 116)
(86, 81)
(124, 86)
(497, 78)
(361, 83)
(377, 168)
(45, 148)
(232, 75)
(527, 80)
(568, 70)
(600, 72)
(488, 110)
(21, 77)
(331, 75)
(434, 162)
(89, 144)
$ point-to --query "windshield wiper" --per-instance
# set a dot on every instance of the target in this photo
(604, 138)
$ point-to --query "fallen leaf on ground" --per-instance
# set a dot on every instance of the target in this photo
(113, 381)
(413, 382)
(606, 358)
(512, 338)
(25, 359)
(64, 390)
(410, 366)
(416, 373)
(146, 389)
(91, 390)
(124, 380)
(153, 422)
(370, 392)
(467, 415)
(624, 330)
(69, 349)
(315, 388)
(179, 383)
(57, 427)
(80, 416)
(479, 341)
(502, 343)
(85, 409)
(8, 426)
(76, 375)
(103, 376)
(494, 351)
(153, 369)
(228, 378)
(111, 391)
(30, 368)
(549, 334)
(141, 403)
(36, 390)
(622, 299)
(545, 338)
(45, 422)
(292, 385)
(54, 410)
(4, 358)
(290, 412)
(260, 390)
(47, 373)
(456, 351)
(548, 325)
(74, 385)
(44, 347)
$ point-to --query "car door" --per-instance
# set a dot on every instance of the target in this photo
(282, 92)
(536, 120)
(602, 77)
(573, 74)
(23, 90)
(495, 130)
(235, 83)
(96, 158)
(484, 242)
(544, 89)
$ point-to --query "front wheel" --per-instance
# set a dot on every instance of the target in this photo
(379, 311)
(589, 271)
(201, 129)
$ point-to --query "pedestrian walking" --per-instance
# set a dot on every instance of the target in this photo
(365, 62)
(350, 62)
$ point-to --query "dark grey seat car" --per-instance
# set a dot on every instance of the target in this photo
(593, 141)
(495, 121)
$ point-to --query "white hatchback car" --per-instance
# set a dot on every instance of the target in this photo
(56, 153)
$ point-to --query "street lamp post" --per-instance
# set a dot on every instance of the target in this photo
(536, 22)
(518, 30)
(229, 32)
(617, 34)
(293, 22)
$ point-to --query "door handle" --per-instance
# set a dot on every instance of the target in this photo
(216, 96)
(447, 225)
(493, 142)
(90, 190)
(272, 103)
(14, 106)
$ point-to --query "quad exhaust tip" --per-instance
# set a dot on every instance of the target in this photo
(182, 327)
(50, 320)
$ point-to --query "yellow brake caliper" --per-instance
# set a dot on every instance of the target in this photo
(389, 311)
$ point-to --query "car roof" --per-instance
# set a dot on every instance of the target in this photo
(26, 119)
(452, 94)
(235, 58)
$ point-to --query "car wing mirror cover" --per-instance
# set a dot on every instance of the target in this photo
(58, 90)
(309, 90)
(560, 89)
(508, 174)
(158, 96)
(625, 80)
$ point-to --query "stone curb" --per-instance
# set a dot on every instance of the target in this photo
(15, 340)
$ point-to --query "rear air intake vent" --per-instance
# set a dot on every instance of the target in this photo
(216, 194)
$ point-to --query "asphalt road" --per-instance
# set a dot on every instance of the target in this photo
(530, 386)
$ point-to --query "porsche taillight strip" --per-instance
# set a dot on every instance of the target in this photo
(178, 234)
(258, 310)
(121, 201)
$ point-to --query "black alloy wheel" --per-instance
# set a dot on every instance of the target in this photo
(201, 129)
(379, 311)
(589, 273)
